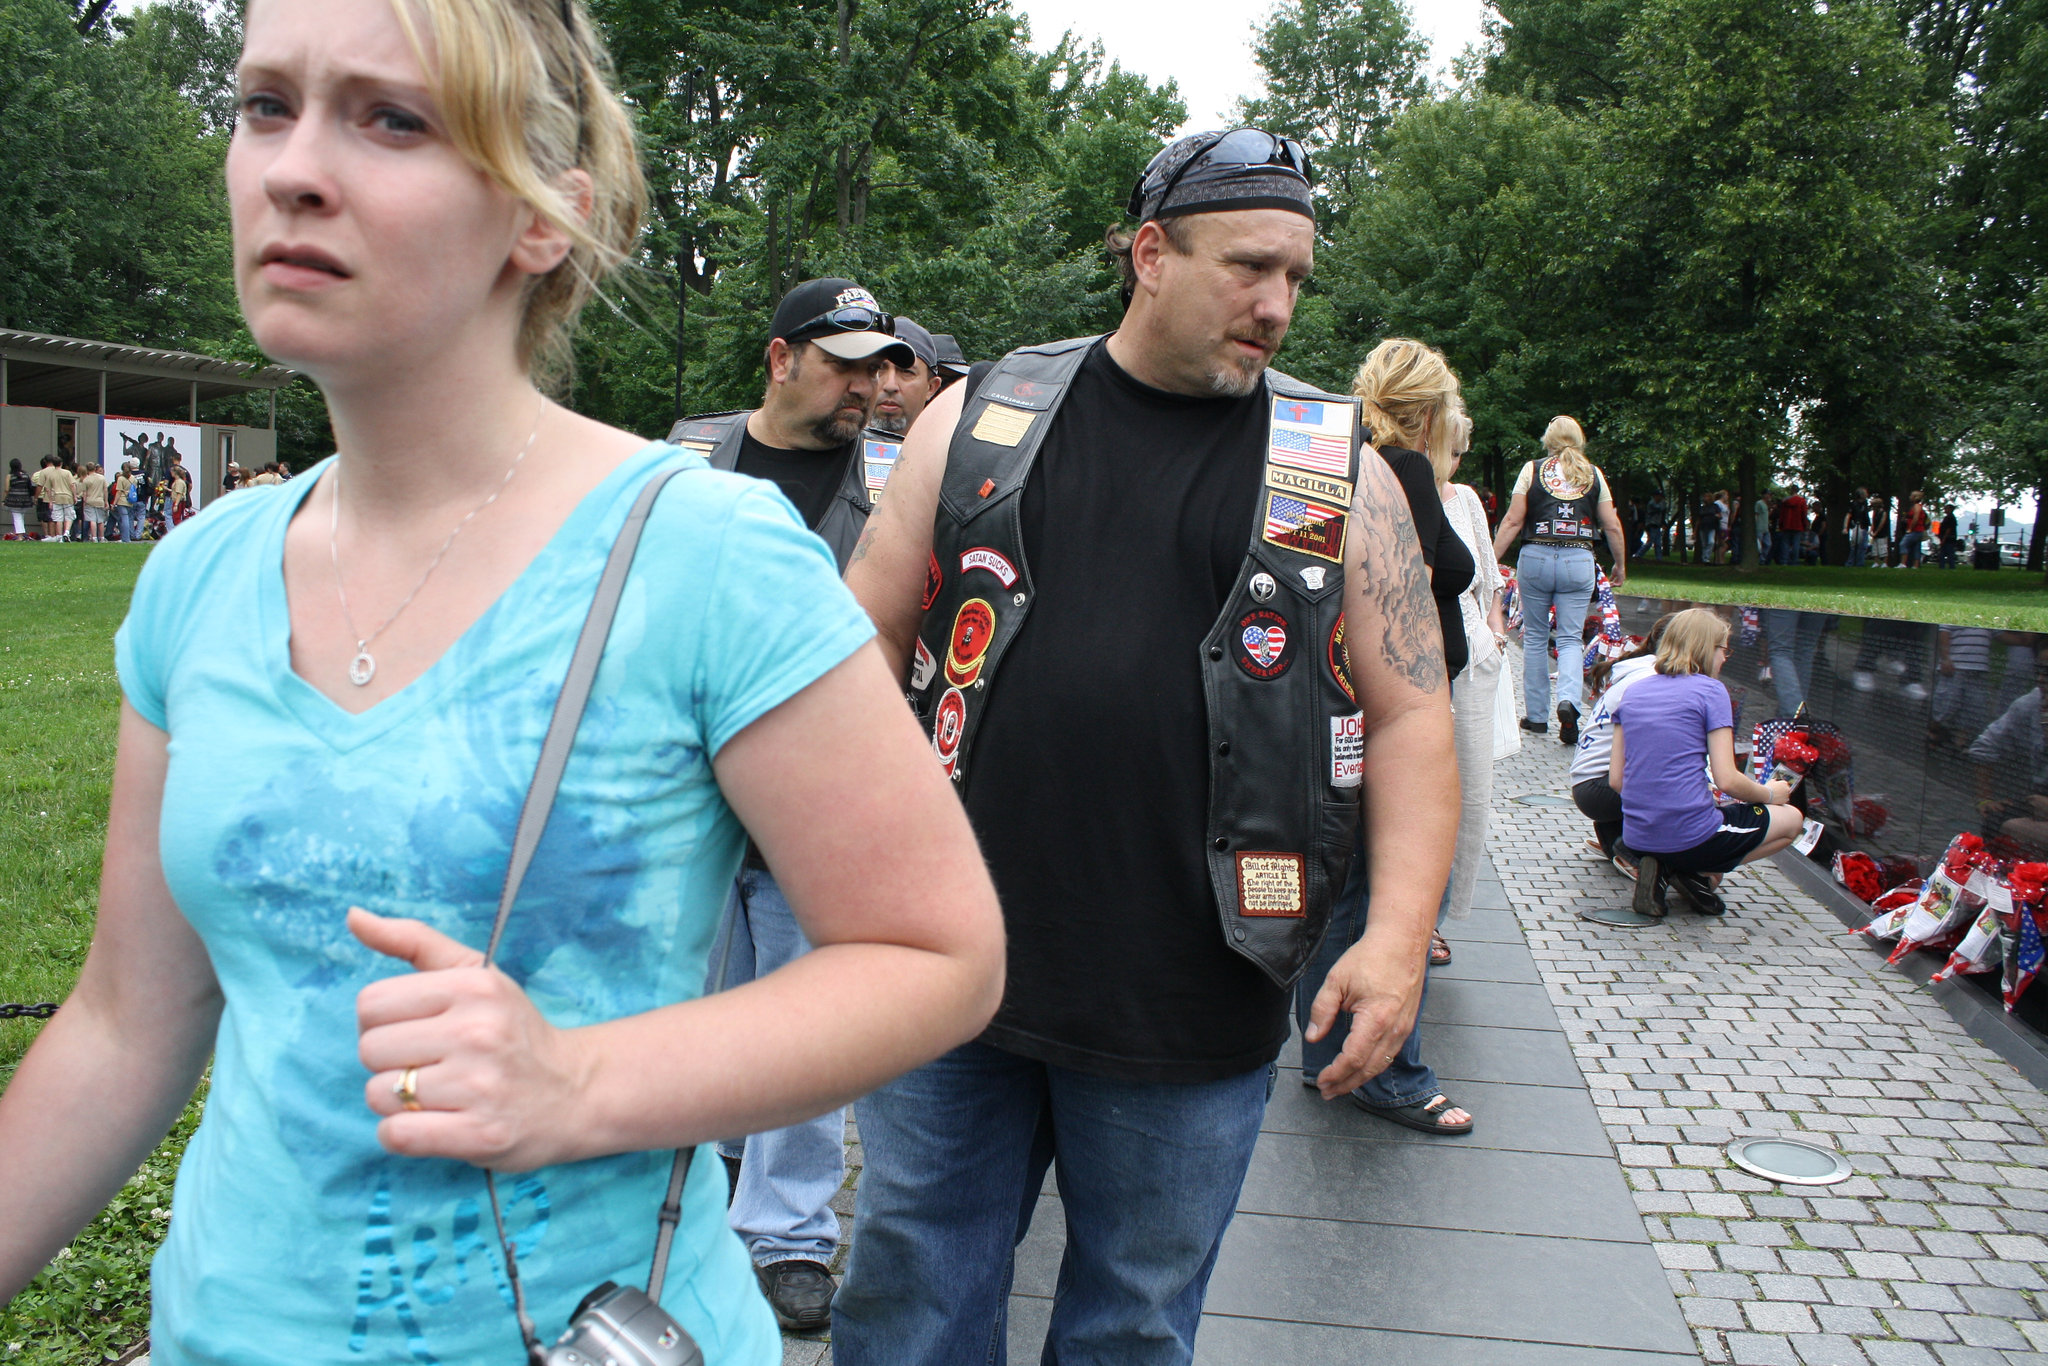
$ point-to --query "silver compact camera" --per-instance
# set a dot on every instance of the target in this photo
(617, 1325)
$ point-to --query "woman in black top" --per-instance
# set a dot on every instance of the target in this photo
(1408, 390)
(21, 496)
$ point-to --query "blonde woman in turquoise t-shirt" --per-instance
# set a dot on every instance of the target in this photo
(334, 695)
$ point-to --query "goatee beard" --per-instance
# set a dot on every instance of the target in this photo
(1237, 377)
(837, 430)
(896, 424)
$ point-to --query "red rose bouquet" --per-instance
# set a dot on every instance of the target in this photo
(1859, 872)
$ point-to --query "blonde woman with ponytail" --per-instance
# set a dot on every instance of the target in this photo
(1568, 497)
(1410, 402)
(321, 768)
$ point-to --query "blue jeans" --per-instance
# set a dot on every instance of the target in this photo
(1564, 576)
(1149, 1175)
(124, 522)
(1407, 1080)
(782, 1207)
(1794, 640)
(1859, 548)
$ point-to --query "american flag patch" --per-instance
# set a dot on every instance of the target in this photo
(1305, 525)
(1311, 451)
(879, 458)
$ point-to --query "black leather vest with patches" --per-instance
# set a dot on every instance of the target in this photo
(1285, 739)
(1556, 518)
(717, 436)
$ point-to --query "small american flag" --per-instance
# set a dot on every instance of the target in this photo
(1285, 515)
(2026, 959)
(1311, 451)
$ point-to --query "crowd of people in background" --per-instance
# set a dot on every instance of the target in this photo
(68, 501)
(1790, 528)
(65, 500)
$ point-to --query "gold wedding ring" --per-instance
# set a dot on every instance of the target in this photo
(406, 1088)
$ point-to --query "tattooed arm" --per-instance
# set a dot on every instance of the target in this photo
(887, 569)
(1411, 785)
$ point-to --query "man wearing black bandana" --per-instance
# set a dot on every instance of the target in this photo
(1162, 744)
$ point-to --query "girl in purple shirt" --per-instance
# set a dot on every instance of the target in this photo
(1669, 731)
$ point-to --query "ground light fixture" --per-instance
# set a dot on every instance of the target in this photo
(1789, 1161)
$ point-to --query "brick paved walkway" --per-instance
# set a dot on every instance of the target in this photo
(1772, 1021)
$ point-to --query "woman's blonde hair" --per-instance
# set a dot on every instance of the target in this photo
(1450, 438)
(1690, 641)
(1567, 443)
(526, 89)
(1404, 383)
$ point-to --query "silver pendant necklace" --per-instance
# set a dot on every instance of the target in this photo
(363, 666)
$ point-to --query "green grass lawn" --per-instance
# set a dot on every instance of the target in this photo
(2010, 598)
(59, 704)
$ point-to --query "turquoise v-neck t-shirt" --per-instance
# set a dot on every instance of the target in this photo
(294, 1236)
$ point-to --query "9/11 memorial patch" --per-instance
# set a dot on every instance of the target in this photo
(1303, 524)
(1272, 884)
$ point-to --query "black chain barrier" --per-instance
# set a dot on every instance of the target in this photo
(21, 1012)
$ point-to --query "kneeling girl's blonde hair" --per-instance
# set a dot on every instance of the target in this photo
(1690, 641)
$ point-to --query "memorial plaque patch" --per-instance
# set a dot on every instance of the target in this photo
(1002, 426)
(1272, 884)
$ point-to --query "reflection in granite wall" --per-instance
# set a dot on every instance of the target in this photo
(1946, 725)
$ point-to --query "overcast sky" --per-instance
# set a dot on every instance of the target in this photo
(1206, 44)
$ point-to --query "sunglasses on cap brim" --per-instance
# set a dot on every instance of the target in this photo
(852, 318)
(1238, 147)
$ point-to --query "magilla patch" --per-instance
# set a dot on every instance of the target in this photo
(1264, 644)
(1272, 884)
(981, 557)
(974, 626)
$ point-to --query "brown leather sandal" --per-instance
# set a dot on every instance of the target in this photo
(1439, 950)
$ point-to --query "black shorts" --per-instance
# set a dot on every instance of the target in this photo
(1744, 825)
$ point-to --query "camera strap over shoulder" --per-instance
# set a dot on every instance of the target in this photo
(533, 818)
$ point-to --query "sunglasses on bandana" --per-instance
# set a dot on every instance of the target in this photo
(852, 318)
(1238, 147)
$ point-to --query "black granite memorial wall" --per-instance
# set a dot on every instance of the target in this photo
(1946, 725)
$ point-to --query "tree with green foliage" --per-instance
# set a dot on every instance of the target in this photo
(1472, 239)
(1337, 73)
(1757, 187)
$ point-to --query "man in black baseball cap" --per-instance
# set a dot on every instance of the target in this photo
(952, 364)
(903, 390)
(829, 347)
(1164, 617)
